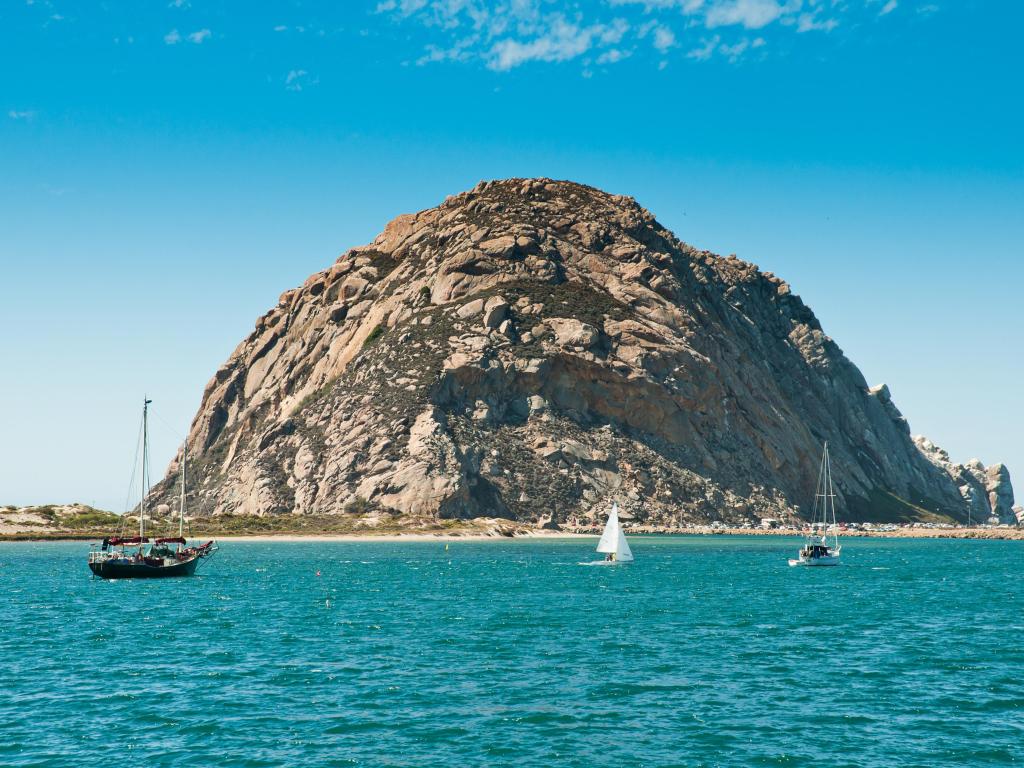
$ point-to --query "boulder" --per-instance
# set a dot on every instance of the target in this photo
(471, 309)
(570, 332)
(495, 310)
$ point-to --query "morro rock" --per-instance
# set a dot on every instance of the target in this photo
(532, 349)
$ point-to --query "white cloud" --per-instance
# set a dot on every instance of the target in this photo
(174, 36)
(557, 40)
(458, 52)
(706, 49)
(21, 114)
(888, 8)
(732, 52)
(298, 79)
(280, 28)
(809, 22)
(179, 4)
(613, 34)
(505, 34)
(664, 38)
(613, 56)
(751, 14)
(735, 52)
(687, 7)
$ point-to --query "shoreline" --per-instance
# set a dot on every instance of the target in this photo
(992, 534)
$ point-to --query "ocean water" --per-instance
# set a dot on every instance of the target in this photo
(704, 652)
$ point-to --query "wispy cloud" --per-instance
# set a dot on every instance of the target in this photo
(750, 14)
(613, 56)
(557, 40)
(664, 38)
(174, 37)
(812, 22)
(298, 80)
(506, 34)
(888, 8)
(705, 50)
(21, 114)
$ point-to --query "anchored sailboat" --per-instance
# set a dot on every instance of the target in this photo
(816, 549)
(613, 544)
(167, 556)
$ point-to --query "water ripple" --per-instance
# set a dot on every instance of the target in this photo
(704, 652)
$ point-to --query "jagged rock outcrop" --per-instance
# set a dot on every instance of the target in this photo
(531, 349)
(987, 491)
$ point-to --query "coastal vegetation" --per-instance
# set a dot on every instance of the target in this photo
(373, 335)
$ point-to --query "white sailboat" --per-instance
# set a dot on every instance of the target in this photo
(816, 549)
(613, 544)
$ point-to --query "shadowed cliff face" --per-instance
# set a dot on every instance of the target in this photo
(532, 349)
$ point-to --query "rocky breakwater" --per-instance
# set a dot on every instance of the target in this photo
(530, 350)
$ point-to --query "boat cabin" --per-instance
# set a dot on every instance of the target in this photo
(816, 550)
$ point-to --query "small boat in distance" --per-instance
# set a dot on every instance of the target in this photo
(613, 544)
(816, 549)
(168, 555)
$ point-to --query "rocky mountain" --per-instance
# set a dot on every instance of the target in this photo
(532, 349)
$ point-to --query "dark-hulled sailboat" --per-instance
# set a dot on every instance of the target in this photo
(127, 557)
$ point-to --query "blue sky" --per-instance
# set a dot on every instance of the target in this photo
(167, 169)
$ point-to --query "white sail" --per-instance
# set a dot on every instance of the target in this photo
(623, 554)
(613, 541)
(609, 542)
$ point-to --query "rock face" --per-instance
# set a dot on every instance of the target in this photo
(987, 491)
(532, 349)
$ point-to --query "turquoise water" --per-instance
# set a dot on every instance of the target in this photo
(704, 652)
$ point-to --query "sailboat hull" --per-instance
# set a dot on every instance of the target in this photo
(122, 569)
(816, 561)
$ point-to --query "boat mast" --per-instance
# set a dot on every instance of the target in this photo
(819, 494)
(181, 514)
(145, 467)
(831, 496)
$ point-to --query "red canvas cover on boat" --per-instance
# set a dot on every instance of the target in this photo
(174, 540)
(117, 541)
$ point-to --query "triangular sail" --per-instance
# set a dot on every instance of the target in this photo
(613, 540)
(623, 554)
(609, 542)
